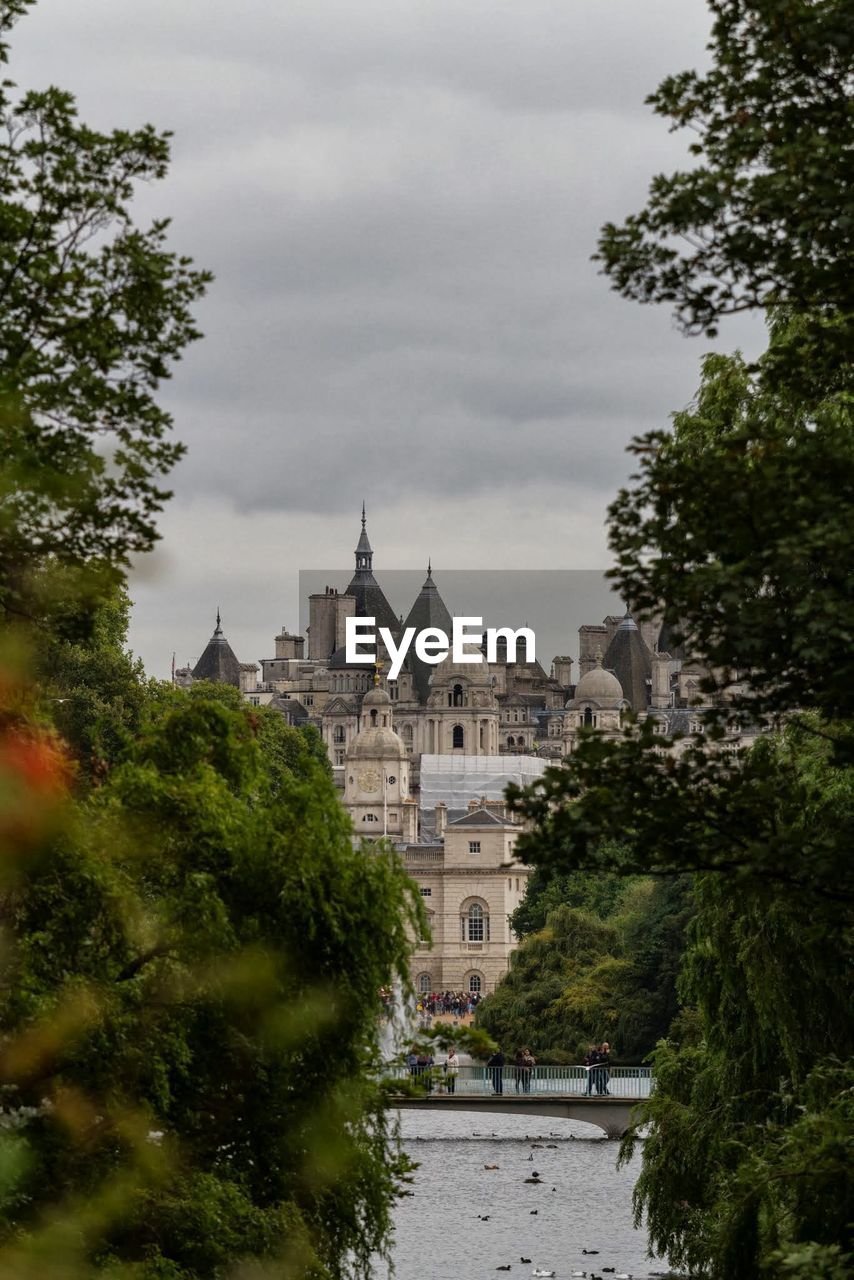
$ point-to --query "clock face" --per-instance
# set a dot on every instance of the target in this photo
(369, 780)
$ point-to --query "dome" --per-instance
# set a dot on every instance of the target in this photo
(377, 744)
(376, 697)
(598, 686)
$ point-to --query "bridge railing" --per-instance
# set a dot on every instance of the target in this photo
(579, 1081)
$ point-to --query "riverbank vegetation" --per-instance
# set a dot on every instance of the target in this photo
(739, 530)
(599, 959)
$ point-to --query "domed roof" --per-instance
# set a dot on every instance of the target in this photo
(599, 686)
(376, 697)
(375, 739)
(377, 743)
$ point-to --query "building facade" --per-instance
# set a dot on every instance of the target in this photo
(376, 731)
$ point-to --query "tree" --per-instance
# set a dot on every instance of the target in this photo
(602, 966)
(193, 946)
(766, 215)
(93, 312)
(199, 955)
(737, 529)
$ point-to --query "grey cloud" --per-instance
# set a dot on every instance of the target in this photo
(399, 200)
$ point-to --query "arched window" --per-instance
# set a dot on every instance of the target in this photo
(475, 924)
(511, 741)
(338, 734)
(406, 732)
(458, 695)
(425, 983)
(373, 717)
(588, 716)
(475, 982)
(458, 736)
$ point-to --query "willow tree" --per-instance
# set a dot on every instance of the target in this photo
(738, 529)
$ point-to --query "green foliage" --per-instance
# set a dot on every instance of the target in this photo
(93, 313)
(593, 972)
(193, 948)
(738, 532)
(778, 567)
(765, 215)
(215, 945)
(93, 691)
(747, 1165)
(547, 890)
(782, 812)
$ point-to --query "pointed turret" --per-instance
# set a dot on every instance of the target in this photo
(631, 661)
(428, 610)
(364, 551)
(370, 600)
(218, 662)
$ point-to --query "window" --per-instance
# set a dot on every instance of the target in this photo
(338, 734)
(371, 817)
(425, 983)
(458, 695)
(392, 690)
(511, 741)
(339, 756)
(309, 699)
(475, 924)
(475, 982)
(588, 716)
(458, 740)
(426, 893)
(392, 817)
(474, 846)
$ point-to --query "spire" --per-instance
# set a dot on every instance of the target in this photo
(429, 567)
(218, 629)
(364, 551)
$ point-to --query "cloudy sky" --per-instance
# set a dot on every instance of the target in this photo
(399, 199)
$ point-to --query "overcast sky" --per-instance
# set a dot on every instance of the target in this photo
(399, 200)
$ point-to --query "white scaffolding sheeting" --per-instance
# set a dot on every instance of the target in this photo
(457, 779)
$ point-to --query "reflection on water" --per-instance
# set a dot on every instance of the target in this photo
(463, 1221)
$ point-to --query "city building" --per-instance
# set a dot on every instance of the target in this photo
(423, 760)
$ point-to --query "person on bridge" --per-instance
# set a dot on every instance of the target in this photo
(496, 1065)
(527, 1062)
(452, 1069)
(590, 1060)
(603, 1075)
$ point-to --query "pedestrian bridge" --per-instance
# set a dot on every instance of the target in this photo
(604, 1098)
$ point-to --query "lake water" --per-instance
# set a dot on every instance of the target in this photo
(463, 1221)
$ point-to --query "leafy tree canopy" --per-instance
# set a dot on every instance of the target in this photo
(605, 970)
(94, 311)
(766, 214)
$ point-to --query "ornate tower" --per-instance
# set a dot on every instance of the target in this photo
(376, 775)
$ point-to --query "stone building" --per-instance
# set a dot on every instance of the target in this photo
(470, 878)
(469, 717)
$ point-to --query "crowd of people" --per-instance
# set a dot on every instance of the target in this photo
(459, 1003)
(423, 1070)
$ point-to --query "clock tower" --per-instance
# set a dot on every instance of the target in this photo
(376, 775)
